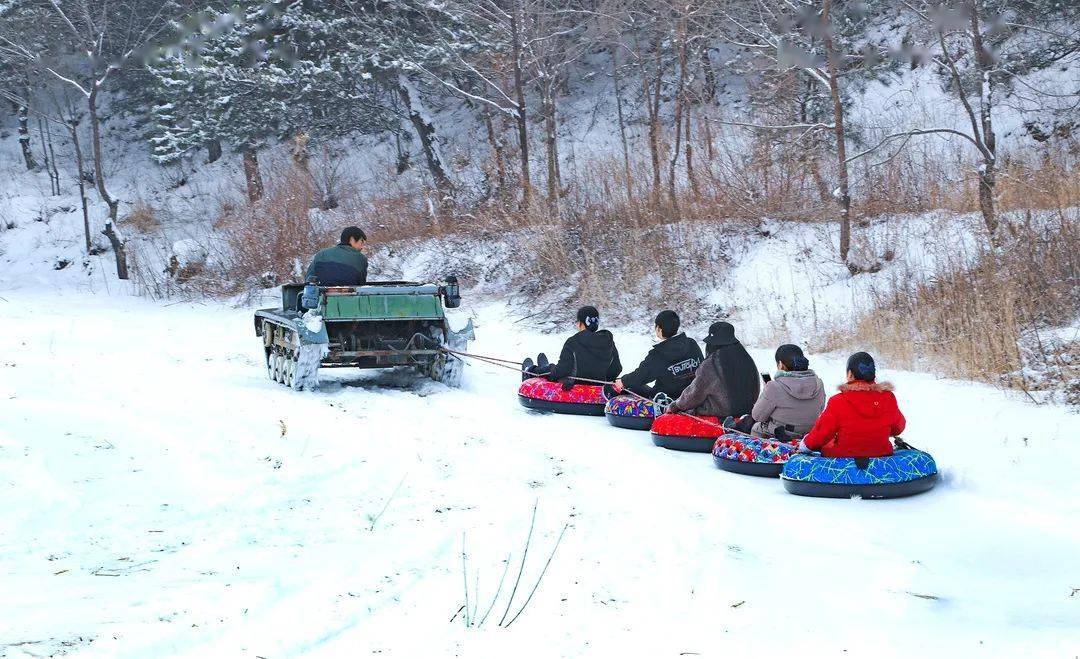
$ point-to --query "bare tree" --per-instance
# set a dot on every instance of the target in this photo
(801, 37)
(551, 46)
(480, 76)
(103, 38)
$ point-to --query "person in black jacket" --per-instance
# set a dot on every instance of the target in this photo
(670, 364)
(590, 354)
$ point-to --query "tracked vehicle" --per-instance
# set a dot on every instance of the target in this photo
(378, 325)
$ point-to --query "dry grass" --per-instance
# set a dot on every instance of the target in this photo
(981, 318)
(143, 217)
(614, 237)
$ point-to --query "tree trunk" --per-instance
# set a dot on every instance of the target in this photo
(986, 198)
(116, 239)
(672, 198)
(252, 175)
(652, 106)
(841, 146)
(496, 144)
(819, 180)
(987, 178)
(213, 150)
(425, 130)
(688, 150)
(710, 154)
(709, 89)
(622, 124)
(54, 169)
(522, 119)
(24, 136)
(550, 142)
(50, 166)
(74, 128)
(680, 108)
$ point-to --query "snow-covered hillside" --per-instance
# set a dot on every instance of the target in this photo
(163, 498)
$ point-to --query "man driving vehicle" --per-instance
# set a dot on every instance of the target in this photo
(343, 264)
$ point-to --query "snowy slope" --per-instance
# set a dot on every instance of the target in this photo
(163, 498)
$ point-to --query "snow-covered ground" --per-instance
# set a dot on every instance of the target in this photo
(163, 498)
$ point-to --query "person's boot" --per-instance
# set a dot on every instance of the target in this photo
(527, 369)
(542, 363)
(744, 424)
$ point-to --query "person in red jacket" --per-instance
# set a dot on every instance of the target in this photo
(858, 421)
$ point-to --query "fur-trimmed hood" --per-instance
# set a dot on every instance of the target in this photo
(859, 385)
(868, 399)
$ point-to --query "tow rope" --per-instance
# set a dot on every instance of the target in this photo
(516, 366)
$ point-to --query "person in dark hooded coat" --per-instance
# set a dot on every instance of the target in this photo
(670, 364)
(727, 383)
(590, 354)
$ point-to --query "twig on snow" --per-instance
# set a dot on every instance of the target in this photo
(465, 577)
(498, 590)
(460, 609)
(521, 569)
(375, 519)
(542, 573)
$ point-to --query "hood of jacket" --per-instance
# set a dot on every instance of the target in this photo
(597, 344)
(866, 398)
(800, 385)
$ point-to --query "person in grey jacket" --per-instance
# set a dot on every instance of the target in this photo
(792, 401)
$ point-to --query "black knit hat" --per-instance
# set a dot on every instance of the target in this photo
(862, 366)
(721, 334)
(668, 322)
(589, 317)
(792, 357)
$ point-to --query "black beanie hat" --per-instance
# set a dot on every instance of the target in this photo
(792, 357)
(721, 334)
(862, 366)
(589, 317)
(668, 322)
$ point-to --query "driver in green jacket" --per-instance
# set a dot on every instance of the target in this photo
(343, 264)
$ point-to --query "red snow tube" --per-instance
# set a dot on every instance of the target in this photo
(680, 432)
(539, 394)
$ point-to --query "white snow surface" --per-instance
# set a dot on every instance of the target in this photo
(163, 498)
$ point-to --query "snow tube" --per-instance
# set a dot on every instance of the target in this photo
(901, 474)
(755, 457)
(630, 412)
(539, 394)
(680, 432)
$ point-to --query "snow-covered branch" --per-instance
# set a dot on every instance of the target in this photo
(74, 83)
(913, 133)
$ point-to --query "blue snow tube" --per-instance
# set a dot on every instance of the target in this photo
(904, 473)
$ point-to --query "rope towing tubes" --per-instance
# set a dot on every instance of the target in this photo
(792, 485)
(516, 367)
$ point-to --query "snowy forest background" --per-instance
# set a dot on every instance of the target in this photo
(916, 159)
